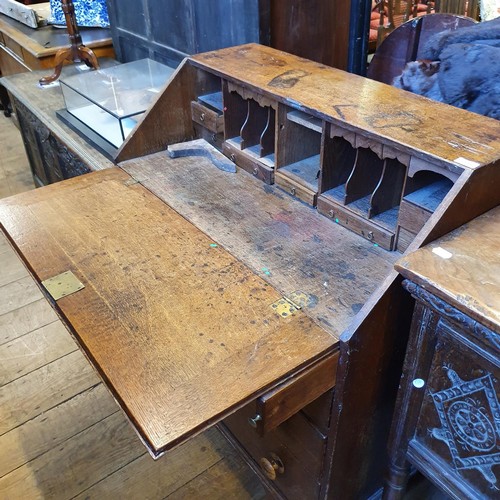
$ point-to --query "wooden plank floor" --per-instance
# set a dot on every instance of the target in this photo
(62, 435)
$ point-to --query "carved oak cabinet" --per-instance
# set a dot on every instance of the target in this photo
(260, 297)
(447, 419)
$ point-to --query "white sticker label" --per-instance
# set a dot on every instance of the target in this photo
(418, 383)
(467, 163)
(441, 252)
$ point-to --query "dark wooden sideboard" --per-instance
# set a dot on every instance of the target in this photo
(264, 300)
(27, 49)
(447, 419)
(55, 152)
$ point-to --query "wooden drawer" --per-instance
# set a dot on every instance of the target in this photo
(206, 117)
(345, 217)
(14, 47)
(412, 217)
(10, 63)
(276, 406)
(252, 165)
(296, 189)
(212, 138)
(296, 444)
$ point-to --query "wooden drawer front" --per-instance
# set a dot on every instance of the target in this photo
(248, 163)
(207, 118)
(404, 239)
(287, 399)
(295, 189)
(298, 444)
(366, 228)
(412, 217)
(212, 138)
(14, 47)
(460, 415)
(10, 64)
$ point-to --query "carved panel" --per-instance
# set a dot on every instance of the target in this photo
(460, 416)
(486, 337)
(50, 160)
(69, 164)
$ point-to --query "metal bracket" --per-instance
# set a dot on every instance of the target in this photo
(285, 307)
(62, 285)
(295, 301)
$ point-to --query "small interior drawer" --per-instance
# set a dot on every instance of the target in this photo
(295, 448)
(249, 163)
(206, 117)
(296, 188)
(278, 405)
(413, 217)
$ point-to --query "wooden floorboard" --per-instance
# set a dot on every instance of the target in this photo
(25, 319)
(145, 478)
(62, 435)
(48, 430)
(34, 350)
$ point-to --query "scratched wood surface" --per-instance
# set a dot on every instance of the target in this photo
(82, 447)
(181, 331)
(463, 268)
(286, 242)
(415, 124)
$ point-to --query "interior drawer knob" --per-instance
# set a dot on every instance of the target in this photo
(253, 421)
(272, 466)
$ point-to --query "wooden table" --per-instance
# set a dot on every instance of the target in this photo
(447, 418)
(27, 49)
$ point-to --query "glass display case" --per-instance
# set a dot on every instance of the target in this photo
(109, 102)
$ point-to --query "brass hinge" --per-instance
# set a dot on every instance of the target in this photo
(284, 307)
(295, 301)
(62, 285)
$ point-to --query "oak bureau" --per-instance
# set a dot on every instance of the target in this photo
(263, 300)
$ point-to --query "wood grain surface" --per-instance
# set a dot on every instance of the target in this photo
(413, 124)
(286, 242)
(463, 268)
(181, 331)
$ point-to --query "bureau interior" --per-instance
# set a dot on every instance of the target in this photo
(357, 181)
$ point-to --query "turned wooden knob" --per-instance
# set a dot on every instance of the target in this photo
(253, 421)
(272, 466)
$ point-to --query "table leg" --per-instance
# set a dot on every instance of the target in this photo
(5, 101)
